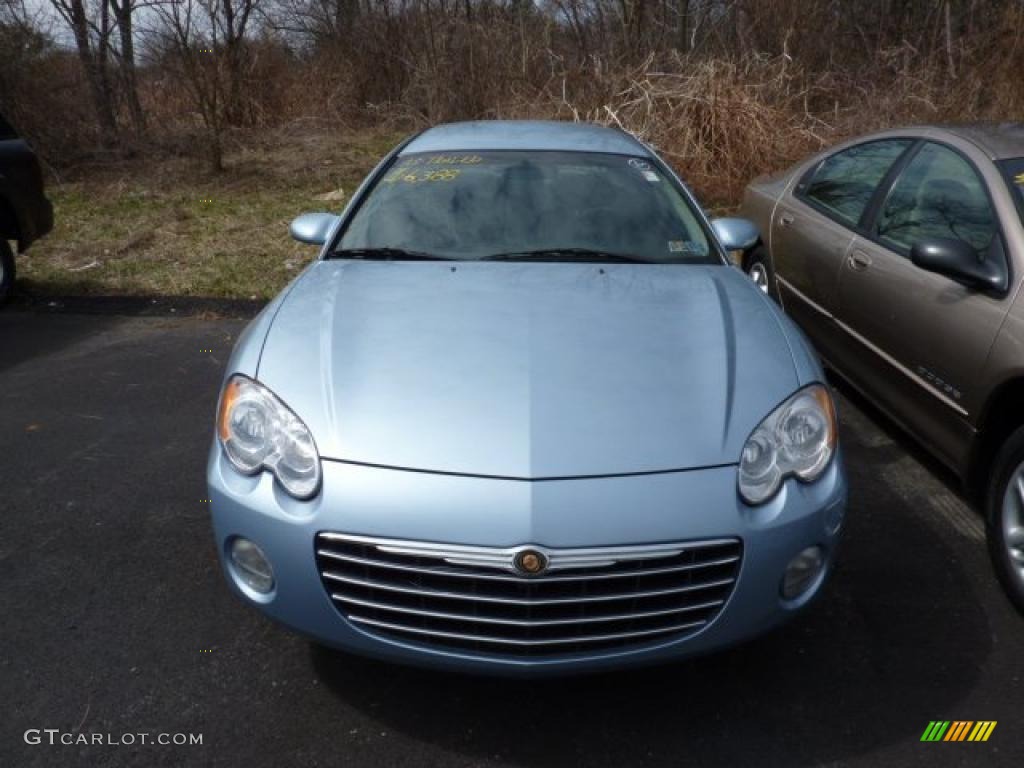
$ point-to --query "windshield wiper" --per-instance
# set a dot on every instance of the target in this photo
(566, 254)
(385, 254)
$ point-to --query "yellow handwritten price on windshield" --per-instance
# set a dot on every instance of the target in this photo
(406, 176)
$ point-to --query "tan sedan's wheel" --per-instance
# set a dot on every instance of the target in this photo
(1005, 518)
(759, 270)
(759, 275)
(1013, 520)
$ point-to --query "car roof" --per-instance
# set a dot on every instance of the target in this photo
(998, 140)
(541, 135)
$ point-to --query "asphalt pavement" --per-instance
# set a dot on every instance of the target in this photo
(114, 618)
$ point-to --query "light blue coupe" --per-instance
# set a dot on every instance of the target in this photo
(522, 416)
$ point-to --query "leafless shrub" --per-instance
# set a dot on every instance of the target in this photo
(727, 90)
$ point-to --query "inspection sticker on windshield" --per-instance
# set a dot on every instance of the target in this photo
(644, 167)
(688, 247)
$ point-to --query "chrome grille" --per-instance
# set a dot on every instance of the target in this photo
(476, 599)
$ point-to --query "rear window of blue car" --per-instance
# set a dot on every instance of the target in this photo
(471, 205)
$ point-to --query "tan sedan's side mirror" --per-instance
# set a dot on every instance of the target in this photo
(959, 260)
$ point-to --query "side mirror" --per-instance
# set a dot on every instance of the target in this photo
(960, 261)
(736, 234)
(313, 228)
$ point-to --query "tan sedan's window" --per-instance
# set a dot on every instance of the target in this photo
(845, 182)
(938, 195)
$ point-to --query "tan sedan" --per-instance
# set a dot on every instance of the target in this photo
(901, 255)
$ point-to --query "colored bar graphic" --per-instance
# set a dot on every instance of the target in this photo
(958, 730)
(982, 730)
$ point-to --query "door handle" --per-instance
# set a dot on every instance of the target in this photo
(859, 260)
(785, 219)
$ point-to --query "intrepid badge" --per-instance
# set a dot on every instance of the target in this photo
(530, 562)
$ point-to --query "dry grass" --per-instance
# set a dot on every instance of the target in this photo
(162, 228)
(154, 223)
(719, 122)
(722, 122)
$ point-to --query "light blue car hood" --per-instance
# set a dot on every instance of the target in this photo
(530, 370)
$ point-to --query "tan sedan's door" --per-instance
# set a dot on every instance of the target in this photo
(914, 340)
(808, 249)
(814, 225)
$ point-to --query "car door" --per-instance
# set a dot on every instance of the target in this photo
(916, 341)
(814, 225)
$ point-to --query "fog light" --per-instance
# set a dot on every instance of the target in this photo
(251, 566)
(802, 572)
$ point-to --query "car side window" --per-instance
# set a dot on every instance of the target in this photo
(845, 182)
(939, 194)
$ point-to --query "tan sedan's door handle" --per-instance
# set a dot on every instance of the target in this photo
(785, 220)
(859, 260)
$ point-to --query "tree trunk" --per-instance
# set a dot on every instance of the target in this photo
(123, 13)
(92, 65)
(683, 26)
(233, 61)
(102, 55)
(949, 42)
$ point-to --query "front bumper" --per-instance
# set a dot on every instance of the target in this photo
(596, 512)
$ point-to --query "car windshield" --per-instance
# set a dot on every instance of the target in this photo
(526, 205)
(1014, 172)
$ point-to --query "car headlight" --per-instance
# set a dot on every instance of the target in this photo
(258, 431)
(797, 438)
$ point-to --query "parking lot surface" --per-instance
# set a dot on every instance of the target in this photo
(114, 618)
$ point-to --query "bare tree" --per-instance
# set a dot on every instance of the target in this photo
(948, 23)
(320, 20)
(23, 42)
(229, 20)
(123, 12)
(86, 22)
(189, 41)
